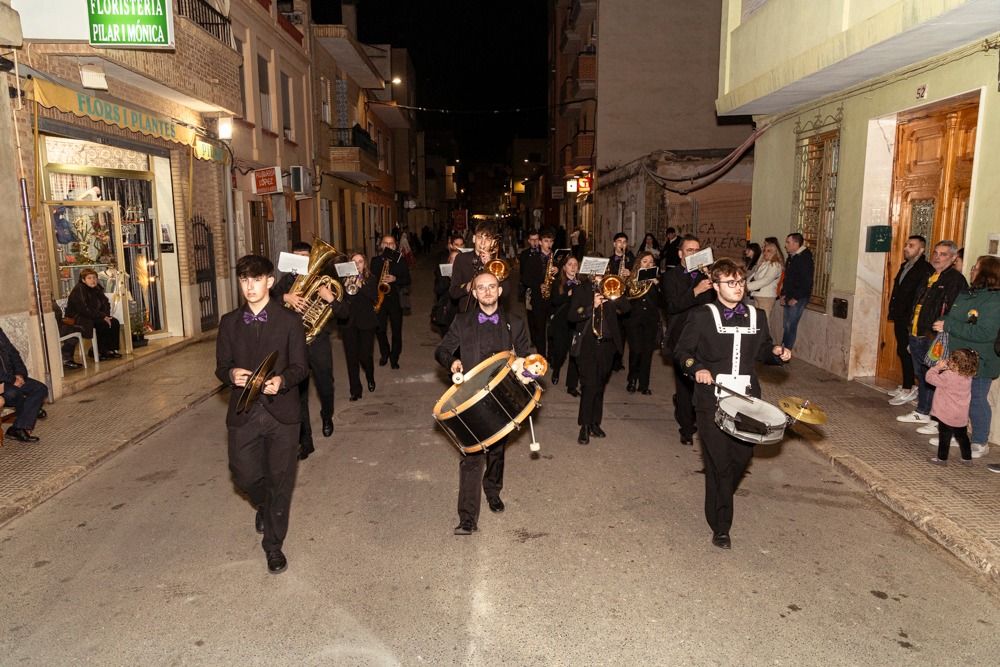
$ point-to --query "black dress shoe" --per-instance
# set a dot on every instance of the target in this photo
(305, 451)
(394, 365)
(630, 387)
(276, 562)
(573, 392)
(466, 528)
(42, 414)
(371, 385)
(595, 430)
(687, 440)
(555, 378)
(21, 434)
(383, 361)
(496, 505)
(646, 392)
(258, 522)
(327, 427)
(722, 541)
(584, 438)
(71, 365)
(355, 398)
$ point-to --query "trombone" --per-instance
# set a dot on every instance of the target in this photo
(612, 287)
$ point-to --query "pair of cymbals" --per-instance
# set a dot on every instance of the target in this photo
(256, 382)
(802, 410)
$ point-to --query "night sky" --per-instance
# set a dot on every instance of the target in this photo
(469, 55)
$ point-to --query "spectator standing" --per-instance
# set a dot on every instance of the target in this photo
(953, 379)
(911, 275)
(668, 251)
(974, 323)
(762, 284)
(932, 302)
(796, 287)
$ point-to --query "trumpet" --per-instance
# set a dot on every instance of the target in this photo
(352, 285)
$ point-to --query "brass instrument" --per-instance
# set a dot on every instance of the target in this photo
(383, 285)
(497, 266)
(638, 288)
(546, 287)
(317, 311)
(352, 285)
(613, 287)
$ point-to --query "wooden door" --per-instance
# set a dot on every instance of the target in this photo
(932, 177)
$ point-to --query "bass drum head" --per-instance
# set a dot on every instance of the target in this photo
(477, 381)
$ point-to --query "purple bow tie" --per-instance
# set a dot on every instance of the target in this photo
(572, 282)
(249, 317)
(494, 318)
(693, 274)
(740, 309)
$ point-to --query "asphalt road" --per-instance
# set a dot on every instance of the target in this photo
(602, 557)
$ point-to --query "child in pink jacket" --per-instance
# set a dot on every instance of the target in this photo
(953, 381)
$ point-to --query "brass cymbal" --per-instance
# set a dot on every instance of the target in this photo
(802, 410)
(256, 382)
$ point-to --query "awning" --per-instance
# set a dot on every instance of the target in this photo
(53, 96)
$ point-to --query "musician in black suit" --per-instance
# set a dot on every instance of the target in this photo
(467, 265)
(357, 329)
(683, 290)
(620, 265)
(476, 335)
(320, 353)
(263, 440)
(705, 352)
(640, 328)
(536, 268)
(912, 274)
(597, 322)
(397, 277)
(560, 329)
(524, 258)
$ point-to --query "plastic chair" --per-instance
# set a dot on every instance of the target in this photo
(79, 341)
(83, 350)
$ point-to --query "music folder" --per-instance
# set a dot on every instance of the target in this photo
(345, 269)
(445, 270)
(289, 262)
(646, 274)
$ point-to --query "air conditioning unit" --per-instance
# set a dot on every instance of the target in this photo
(301, 180)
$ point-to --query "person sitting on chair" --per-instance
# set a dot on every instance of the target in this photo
(20, 392)
(90, 308)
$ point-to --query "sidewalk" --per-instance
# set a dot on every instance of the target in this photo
(90, 425)
(957, 507)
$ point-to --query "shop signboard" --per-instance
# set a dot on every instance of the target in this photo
(135, 24)
(584, 184)
(267, 181)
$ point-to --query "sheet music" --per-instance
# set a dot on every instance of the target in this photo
(289, 262)
(701, 258)
(345, 269)
(445, 270)
(594, 266)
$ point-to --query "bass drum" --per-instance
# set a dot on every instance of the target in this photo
(487, 405)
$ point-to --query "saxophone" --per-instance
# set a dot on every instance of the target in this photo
(317, 311)
(383, 286)
(546, 288)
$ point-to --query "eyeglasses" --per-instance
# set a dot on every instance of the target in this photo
(487, 288)
(732, 283)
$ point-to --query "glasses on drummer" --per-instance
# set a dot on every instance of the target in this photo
(732, 283)
(490, 287)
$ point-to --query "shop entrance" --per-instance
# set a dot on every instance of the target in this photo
(932, 178)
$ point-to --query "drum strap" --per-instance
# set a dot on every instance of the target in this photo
(737, 333)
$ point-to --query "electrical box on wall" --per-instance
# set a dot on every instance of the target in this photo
(879, 238)
(840, 308)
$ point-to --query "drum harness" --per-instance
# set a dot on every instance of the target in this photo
(734, 381)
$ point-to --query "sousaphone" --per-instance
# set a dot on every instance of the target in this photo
(254, 385)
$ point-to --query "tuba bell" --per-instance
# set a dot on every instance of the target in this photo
(497, 266)
(317, 311)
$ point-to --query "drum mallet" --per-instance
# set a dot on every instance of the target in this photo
(533, 445)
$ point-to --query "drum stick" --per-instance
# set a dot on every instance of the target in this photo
(746, 398)
(534, 445)
(457, 378)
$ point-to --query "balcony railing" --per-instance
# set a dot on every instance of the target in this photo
(208, 18)
(289, 28)
(355, 137)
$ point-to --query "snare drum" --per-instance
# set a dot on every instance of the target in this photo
(487, 405)
(753, 420)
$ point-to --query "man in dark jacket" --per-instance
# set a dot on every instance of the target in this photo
(910, 277)
(933, 300)
(797, 286)
(20, 392)
(683, 290)
(391, 312)
(475, 336)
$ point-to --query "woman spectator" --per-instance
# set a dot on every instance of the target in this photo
(750, 256)
(560, 331)
(973, 322)
(762, 281)
(651, 245)
(90, 310)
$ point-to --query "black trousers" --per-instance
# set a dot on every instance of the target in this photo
(641, 344)
(961, 434)
(470, 476)
(684, 401)
(26, 400)
(538, 320)
(902, 333)
(108, 335)
(358, 345)
(263, 458)
(594, 366)
(390, 314)
(321, 364)
(726, 459)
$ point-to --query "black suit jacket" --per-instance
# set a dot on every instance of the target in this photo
(904, 291)
(581, 309)
(463, 338)
(798, 281)
(241, 345)
(400, 269)
(677, 288)
(11, 363)
(466, 267)
(359, 310)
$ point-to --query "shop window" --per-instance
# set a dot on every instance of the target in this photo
(817, 161)
(286, 107)
(264, 86)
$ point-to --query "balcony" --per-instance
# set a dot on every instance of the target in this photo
(290, 28)
(584, 75)
(579, 153)
(353, 155)
(569, 105)
(569, 38)
(338, 41)
(582, 13)
(210, 20)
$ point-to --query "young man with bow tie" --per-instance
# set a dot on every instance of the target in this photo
(721, 342)
(264, 438)
(475, 336)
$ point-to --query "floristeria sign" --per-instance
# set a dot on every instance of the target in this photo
(132, 23)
